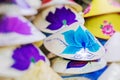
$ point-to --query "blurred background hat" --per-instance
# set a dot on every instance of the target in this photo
(16, 60)
(19, 7)
(16, 30)
(98, 7)
(112, 47)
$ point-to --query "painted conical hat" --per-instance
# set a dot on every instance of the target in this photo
(54, 18)
(74, 42)
(98, 7)
(64, 66)
(18, 30)
(103, 26)
(112, 47)
(21, 7)
(16, 60)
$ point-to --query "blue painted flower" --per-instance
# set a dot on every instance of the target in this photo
(25, 55)
(14, 24)
(61, 17)
(79, 39)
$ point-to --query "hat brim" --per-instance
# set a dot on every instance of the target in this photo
(98, 7)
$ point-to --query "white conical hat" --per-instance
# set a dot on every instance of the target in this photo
(64, 66)
(22, 7)
(40, 71)
(18, 30)
(74, 42)
(111, 73)
(16, 60)
(53, 18)
(112, 47)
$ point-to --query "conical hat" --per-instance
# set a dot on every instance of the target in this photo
(21, 7)
(111, 73)
(54, 18)
(18, 30)
(40, 71)
(74, 42)
(112, 47)
(98, 7)
(64, 66)
(103, 26)
(88, 76)
(47, 3)
(16, 60)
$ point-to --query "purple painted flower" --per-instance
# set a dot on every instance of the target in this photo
(76, 64)
(14, 24)
(79, 64)
(25, 55)
(61, 17)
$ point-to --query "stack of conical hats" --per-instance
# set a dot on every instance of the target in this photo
(20, 59)
(77, 50)
(102, 19)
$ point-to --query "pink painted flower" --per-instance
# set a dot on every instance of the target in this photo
(87, 9)
(107, 28)
(115, 3)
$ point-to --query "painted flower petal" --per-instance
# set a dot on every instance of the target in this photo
(24, 55)
(51, 17)
(81, 38)
(76, 64)
(35, 53)
(59, 17)
(93, 45)
(21, 65)
(14, 24)
(71, 50)
(54, 26)
(66, 14)
(71, 17)
(69, 37)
